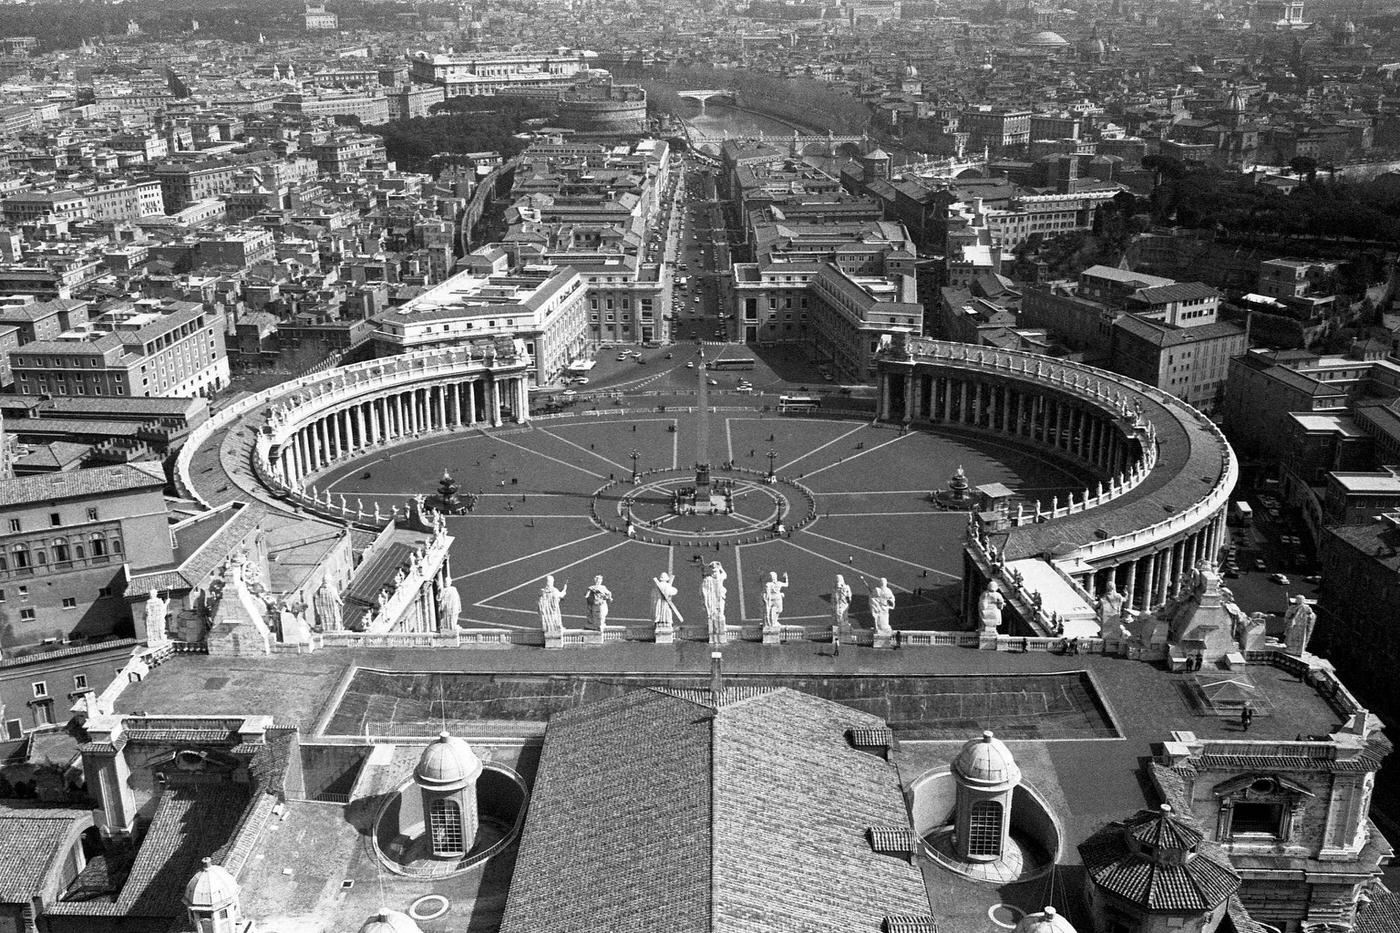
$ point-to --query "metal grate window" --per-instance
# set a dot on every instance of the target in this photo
(445, 824)
(984, 828)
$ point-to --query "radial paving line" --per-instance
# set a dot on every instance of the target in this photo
(845, 460)
(581, 447)
(501, 440)
(838, 563)
(885, 555)
(596, 554)
(516, 560)
(809, 453)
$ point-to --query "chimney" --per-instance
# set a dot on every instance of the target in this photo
(716, 676)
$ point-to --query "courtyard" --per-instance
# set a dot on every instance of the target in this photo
(538, 487)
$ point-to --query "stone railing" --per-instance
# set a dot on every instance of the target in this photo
(314, 392)
(1074, 379)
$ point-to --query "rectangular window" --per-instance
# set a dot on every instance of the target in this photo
(105, 591)
(79, 681)
(41, 689)
(92, 515)
(1256, 819)
(14, 524)
(26, 614)
(14, 729)
(70, 602)
(55, 520)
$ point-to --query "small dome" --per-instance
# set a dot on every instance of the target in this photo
(390, 921)
(447, 764)
(1046, 40)
(211, 888)
(987, 762)
(1048, 920)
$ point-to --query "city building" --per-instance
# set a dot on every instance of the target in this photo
(545, 307)
(69, 540)
(487, 73)
(146, 349)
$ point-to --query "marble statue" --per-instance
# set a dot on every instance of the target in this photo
(663, 611)
(990, 608)
(773, 601)
(1298, 622)
(712, 593)
(597, 599)
(841, 603)
(327, 604)
(156, 610)
(1110, 608)
(881, 604)
(449, 608)
(550, 619)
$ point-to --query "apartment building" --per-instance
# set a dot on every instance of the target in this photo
(151, 348)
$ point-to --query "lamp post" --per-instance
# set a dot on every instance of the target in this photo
(636, 477)
(772, 474)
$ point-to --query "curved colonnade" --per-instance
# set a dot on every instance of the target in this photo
(1158, 474)
(305, 426)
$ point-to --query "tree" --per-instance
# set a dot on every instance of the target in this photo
(1303, 165)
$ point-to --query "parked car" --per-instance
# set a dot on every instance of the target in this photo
(1279, 578)
(1260, 565)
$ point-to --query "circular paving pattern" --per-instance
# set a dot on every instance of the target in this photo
(669, 507)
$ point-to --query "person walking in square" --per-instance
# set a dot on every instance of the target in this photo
(1246, 716)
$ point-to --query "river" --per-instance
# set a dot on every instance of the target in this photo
(717, 119)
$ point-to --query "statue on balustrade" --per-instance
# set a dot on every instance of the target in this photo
(327, 605)
(713, 594)
(449, 608)
(664, 614)
(773, 601)
(841, 603)
(990, 607)
(156, 612)
(1298, 622)
(1110, 608)
(881, 605)
(550, 618)
(597, 599)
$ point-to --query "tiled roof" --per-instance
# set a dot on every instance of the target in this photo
(32, 840)
(94, 482)
(753, 817)
(622, 787)
(1379, 914)
(189, 823)
(910, 923)
(1199, 883)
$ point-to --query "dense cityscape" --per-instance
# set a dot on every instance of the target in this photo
(761, 466)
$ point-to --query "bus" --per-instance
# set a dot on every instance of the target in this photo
(738, 362)
(798, 403)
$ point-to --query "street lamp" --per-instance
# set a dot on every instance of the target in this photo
(772, 455)
(636, 477)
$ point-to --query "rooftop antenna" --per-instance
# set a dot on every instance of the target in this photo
(716, 676)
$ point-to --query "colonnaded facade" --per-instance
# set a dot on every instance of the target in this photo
(303, 427)
(1158, 476)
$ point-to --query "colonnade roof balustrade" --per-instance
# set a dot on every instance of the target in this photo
(1192, 479)
(216, 464)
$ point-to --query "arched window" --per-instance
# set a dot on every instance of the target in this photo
(99, 545)
(984, 828)
(21, 554)
(60, 549)
(79, 551)
(445, 825)
(116, 545)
